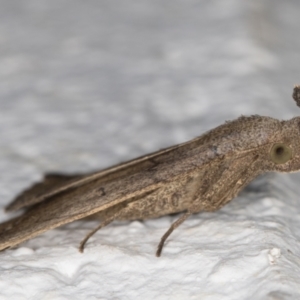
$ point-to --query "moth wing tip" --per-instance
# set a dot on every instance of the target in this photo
(11, 207)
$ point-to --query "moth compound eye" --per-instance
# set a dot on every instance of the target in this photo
(280, 153)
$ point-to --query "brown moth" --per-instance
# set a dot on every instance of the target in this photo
(200, 175)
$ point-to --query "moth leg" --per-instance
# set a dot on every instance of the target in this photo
(170, 230)
(101, 225)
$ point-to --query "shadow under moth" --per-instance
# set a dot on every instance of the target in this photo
(200, 175)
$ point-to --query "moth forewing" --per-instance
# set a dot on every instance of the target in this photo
(53, 184)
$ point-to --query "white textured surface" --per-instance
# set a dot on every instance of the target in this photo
(87, 84)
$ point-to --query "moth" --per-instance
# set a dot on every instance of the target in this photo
(203, 174)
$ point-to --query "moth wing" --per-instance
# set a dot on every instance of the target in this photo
(55, 184)
(96, 192)
(62, 209)
(233, 175)
(69, 198)
(81, 202)
(51, 183)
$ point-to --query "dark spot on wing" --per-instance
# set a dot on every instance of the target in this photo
(102, 191)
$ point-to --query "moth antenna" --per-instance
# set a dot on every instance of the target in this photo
(296, 94)
(170, 230)
(101, 225)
